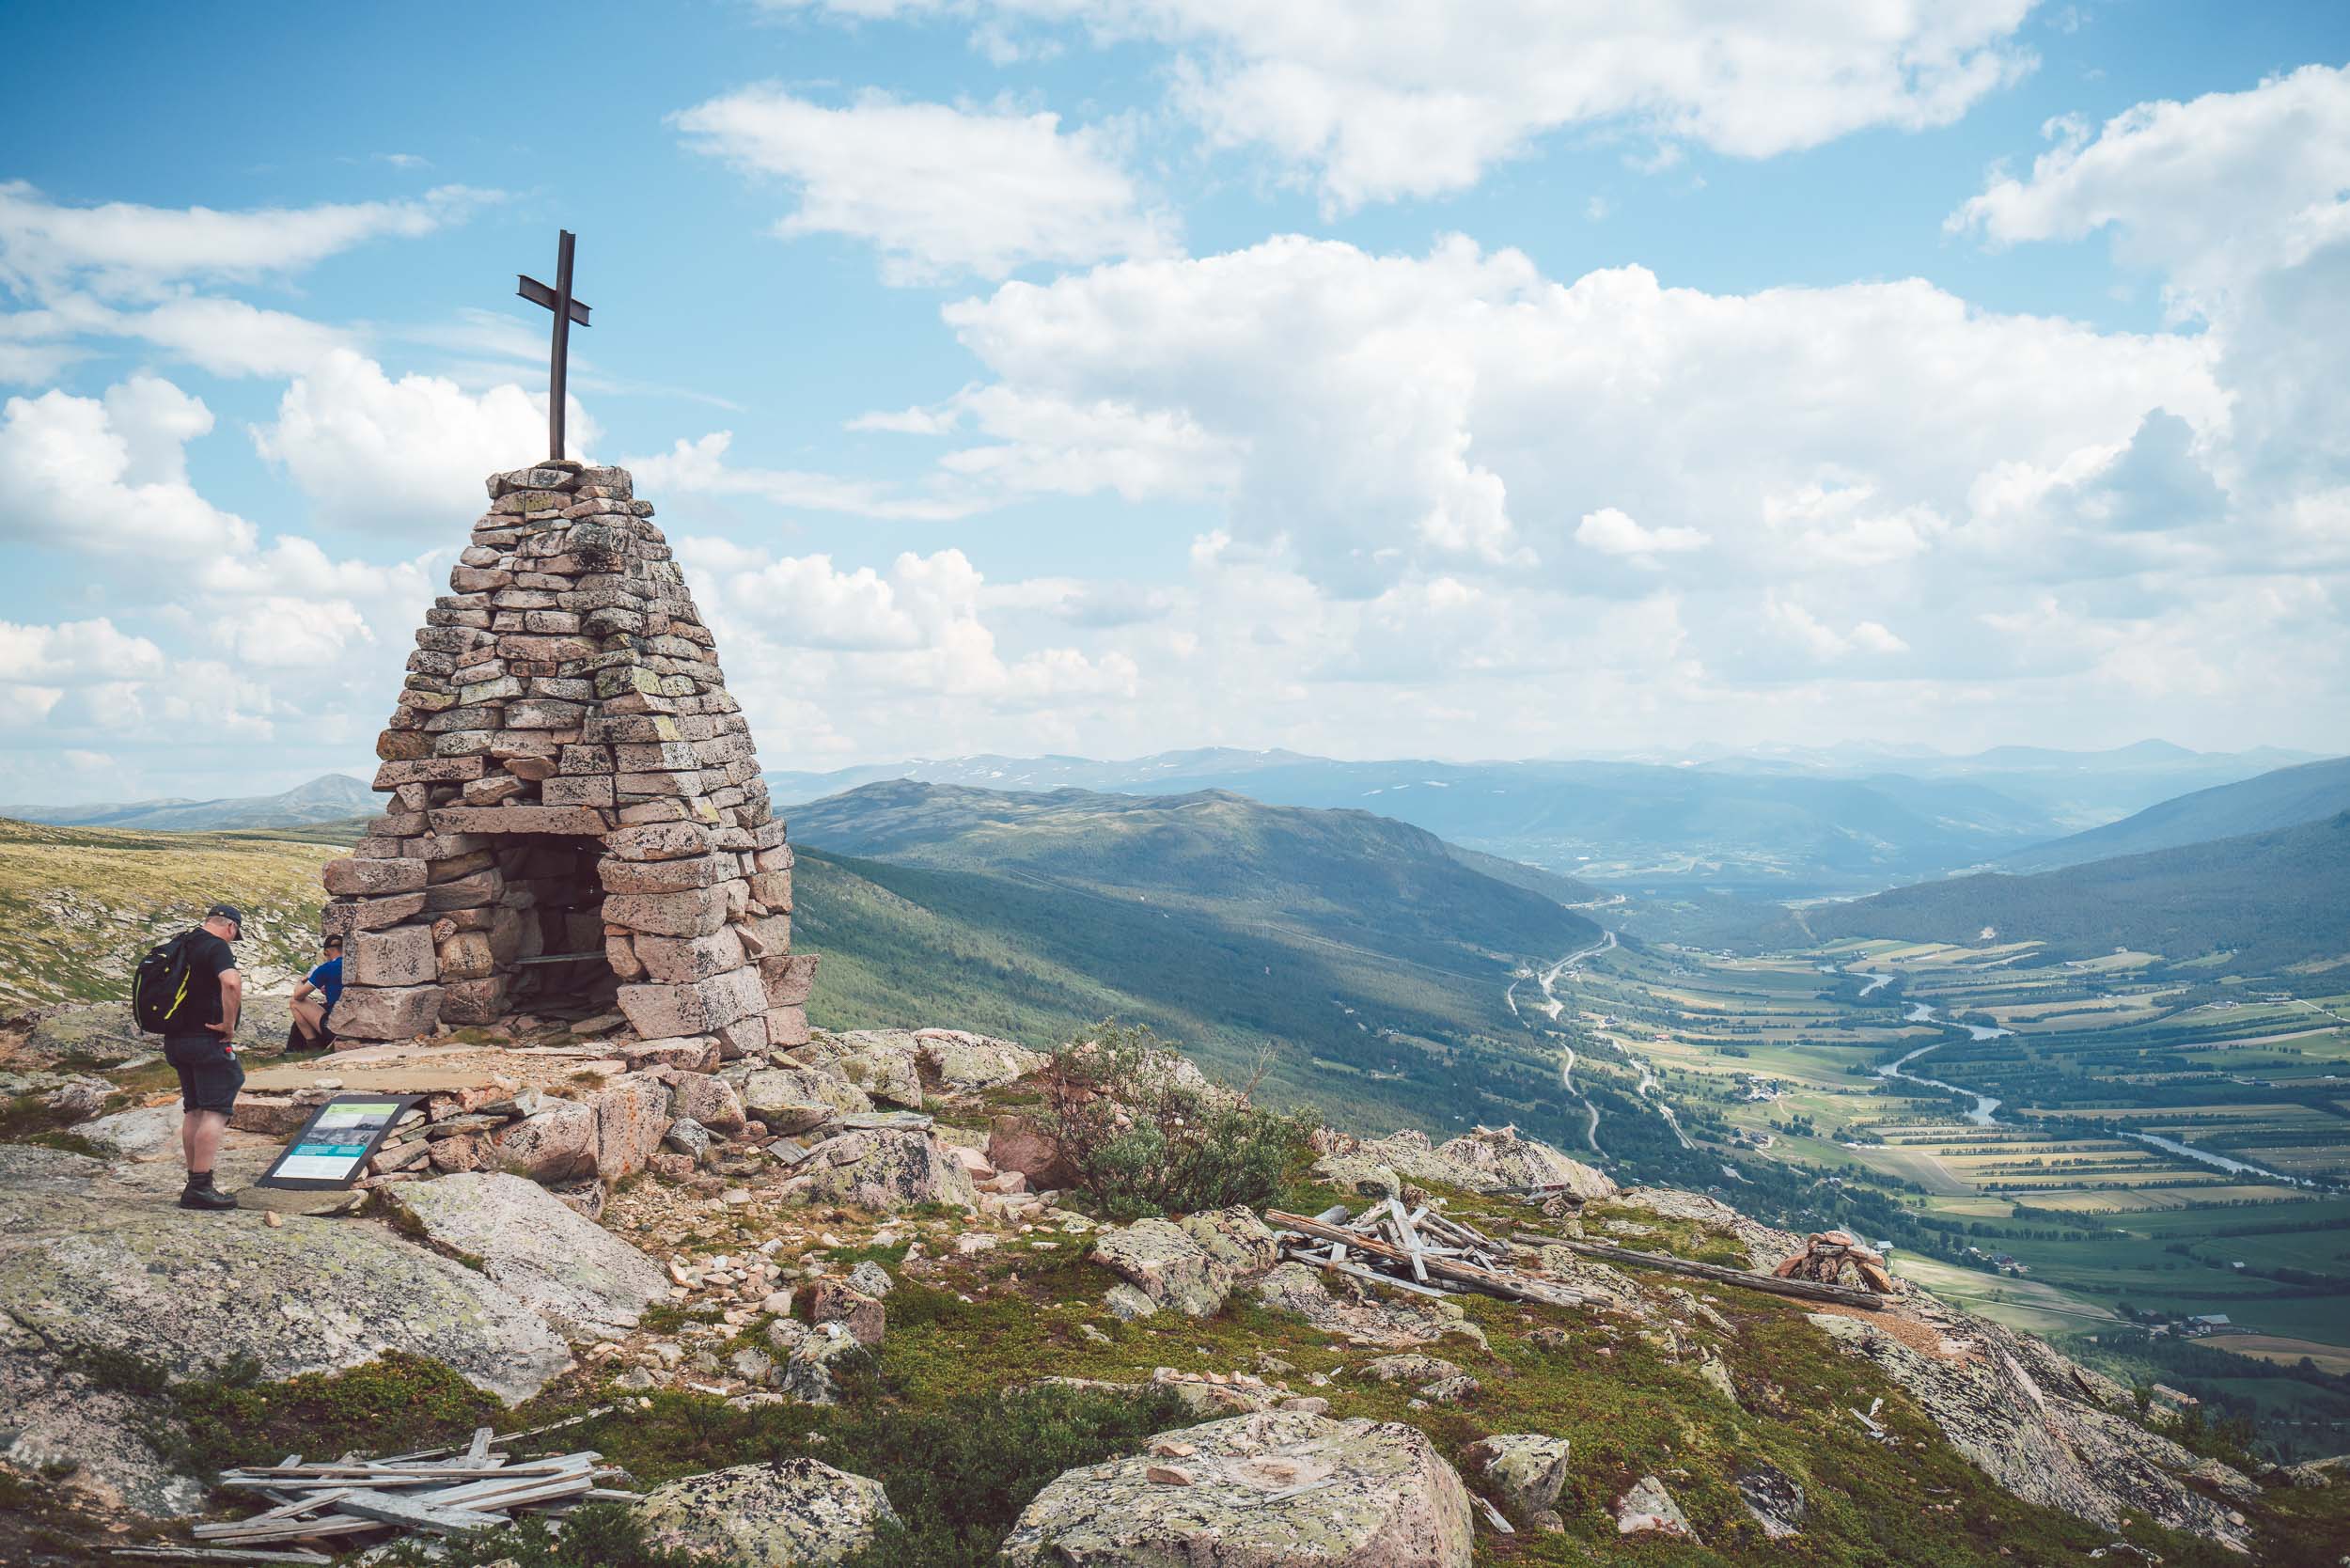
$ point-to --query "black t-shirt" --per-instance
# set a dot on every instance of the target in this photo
(209, 958)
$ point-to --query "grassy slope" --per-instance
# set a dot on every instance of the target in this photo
(78, 905)
(1345, 875)
(906, 945)
(1627, 1405)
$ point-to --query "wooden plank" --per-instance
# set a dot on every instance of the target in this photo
(479, 1451)
(1802, 1290)
(388, 1471)
(1483, 1280)
(1403, 1226)
(413, 1515)
(285, 1530)
(509, 1439)
(1357, 1271)
(214, 1554)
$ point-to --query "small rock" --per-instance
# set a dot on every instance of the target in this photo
(1127, 1303)
(1528, 1470)
(835, 1301)
(1649, 1507)
(1772, 1495)
(1449, 1390)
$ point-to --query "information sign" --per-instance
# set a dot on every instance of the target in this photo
(332, 1149)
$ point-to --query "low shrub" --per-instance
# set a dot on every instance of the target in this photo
(1146, 1134)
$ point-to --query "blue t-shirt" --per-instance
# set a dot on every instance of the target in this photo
(328, 976)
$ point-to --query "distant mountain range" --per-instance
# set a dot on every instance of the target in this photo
(2272, 899)
(2285, 798)
(1370, 958)
(1785, 824)
(329, 798)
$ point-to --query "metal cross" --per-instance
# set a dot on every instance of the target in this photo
(567, 310)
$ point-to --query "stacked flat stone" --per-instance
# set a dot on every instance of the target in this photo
(566, 685)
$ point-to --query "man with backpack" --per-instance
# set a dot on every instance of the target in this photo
(188, 991)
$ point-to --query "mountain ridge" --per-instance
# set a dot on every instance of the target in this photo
(2286, 797)
(329, 798)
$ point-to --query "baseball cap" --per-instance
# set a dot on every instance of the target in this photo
(227, 911)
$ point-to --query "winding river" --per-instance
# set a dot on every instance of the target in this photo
(1984, 1113)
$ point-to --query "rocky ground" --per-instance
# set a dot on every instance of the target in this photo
(784, 1290)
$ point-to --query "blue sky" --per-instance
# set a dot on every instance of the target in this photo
(1108, 375)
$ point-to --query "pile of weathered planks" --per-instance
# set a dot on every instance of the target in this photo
(441, 1492)
(1418, 1251)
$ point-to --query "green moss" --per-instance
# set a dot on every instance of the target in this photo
(386, 1406)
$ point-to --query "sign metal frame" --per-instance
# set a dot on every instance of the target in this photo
(346, 1137)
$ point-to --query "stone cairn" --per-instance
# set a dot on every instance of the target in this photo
(566, 686)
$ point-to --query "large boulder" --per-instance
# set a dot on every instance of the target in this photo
(1647, 1508)
(1512, 1161)
(1772, 1495)
(795, 1099)
(1021, 1143)
(102, 1034)
(885, 1063)
(1766, 1246)
(1276, 1487)
(556, 1142)
(1354, 1316)
(142, 1134)
(632, 1116)
(883, 1168)
(1160, 1258)
(1480, 1161)
(784, 1513)
(62, 1421)
(710, 1101)
(87, 1266)
(1189, 1265)
(572, 1271)
(2048, 1439)
(966, 1063)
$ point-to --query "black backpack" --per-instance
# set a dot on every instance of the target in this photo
(160, 985)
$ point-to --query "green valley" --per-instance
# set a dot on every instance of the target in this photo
(1369, 963)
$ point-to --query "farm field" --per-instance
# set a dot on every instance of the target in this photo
(2027, 1148)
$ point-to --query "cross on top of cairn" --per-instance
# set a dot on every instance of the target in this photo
(567, 310)
(577, 827)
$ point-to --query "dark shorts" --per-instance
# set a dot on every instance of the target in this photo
(210, 1075)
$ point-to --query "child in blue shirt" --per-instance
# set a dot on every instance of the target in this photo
(310, 1026)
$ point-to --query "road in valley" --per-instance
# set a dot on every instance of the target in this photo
(1552, 1006)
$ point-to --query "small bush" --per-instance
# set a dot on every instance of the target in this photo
(596, 1535)
(1147, 1135)
(960, 1477)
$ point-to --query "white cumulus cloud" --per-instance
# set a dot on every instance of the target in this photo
(1382, 99)
(940, 191)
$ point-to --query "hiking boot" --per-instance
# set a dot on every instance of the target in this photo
(200, 1194)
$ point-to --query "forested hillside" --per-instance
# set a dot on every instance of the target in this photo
(1372, 1040)
(2284, 798)
(1346, 876)
(2271, 899)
